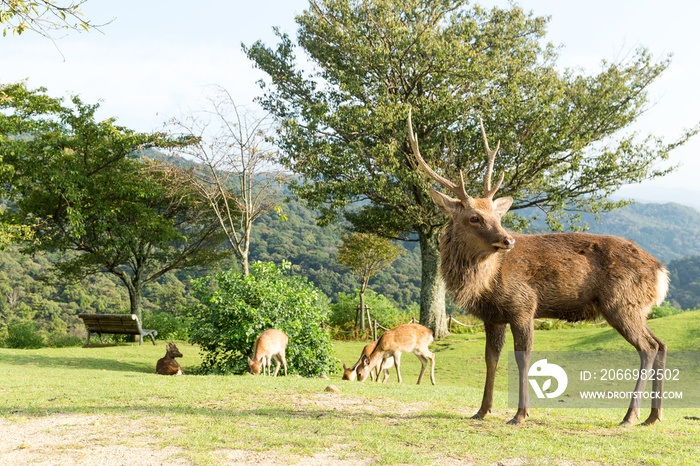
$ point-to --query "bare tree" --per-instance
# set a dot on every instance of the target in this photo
(236, 173)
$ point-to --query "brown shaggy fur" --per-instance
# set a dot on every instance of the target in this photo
(505, 278)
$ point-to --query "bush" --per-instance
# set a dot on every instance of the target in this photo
(233, 310)
(664, 310)
(63, 340)
(382, 309)
(23, 334)
(169, 325)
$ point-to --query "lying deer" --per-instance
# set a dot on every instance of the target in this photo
(506, 278)
(350, 373)
(168, 365)
(402, 339)
(271, 344)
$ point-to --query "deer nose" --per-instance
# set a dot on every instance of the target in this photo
(508, 242)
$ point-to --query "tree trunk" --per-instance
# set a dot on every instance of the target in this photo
(134, 288)
(362, 310)
(245, 266)
(432, 292)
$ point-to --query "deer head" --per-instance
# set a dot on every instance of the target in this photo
(172, 351)
(478, 218)
(255, 366)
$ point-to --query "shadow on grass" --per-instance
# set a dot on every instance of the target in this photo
(96, 363)
(218, 412)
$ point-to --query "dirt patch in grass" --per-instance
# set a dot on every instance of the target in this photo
(71, 439)
(66, 439)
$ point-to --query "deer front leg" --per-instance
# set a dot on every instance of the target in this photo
(397, 363)
(379, 368)
(495, 337)
(278, 363)
(522, 342)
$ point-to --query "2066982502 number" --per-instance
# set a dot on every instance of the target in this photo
(633, 374)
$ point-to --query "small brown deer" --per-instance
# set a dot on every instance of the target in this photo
(506, 278)
(350, 373)
(168, 365)
(271, 344)
(402, 339)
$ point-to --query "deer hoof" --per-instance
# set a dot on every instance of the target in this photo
(625, 424)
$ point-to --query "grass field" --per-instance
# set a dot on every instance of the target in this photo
(64, 406)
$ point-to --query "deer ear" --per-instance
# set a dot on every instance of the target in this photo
(445, 203)
(250, 362)
(502, 204)
(365, 360)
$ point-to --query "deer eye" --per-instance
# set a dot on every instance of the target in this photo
(474, 219)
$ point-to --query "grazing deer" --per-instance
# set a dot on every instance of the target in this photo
(507, 278)
(168, 365)
(271, 344)
(402, 339)
(350, 373)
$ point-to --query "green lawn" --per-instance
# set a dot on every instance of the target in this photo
(206, 418)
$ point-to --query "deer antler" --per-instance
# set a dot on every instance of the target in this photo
(491, 154)
(460, 190)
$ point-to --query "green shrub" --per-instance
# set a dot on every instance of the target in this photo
(233, 310)
(63, 340)
(664, 310)
(170, 325)
(23, 334)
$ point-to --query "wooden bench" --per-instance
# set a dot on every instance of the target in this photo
(120, 324)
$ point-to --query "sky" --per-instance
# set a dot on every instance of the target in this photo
(154, 60)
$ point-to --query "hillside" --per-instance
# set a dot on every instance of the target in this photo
(667, 231)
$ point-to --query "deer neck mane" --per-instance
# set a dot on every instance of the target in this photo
(469, 273)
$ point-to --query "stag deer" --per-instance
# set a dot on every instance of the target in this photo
(271, 344)
(168, 365)
(507, 278)
(350, 373)
(402, 339)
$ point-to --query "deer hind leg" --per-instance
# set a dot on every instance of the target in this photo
(495, 337)
(423, 357)
(522, 341)
(423, 362)
(636, 332)
(278, 363)
(659, 367)
(283, 358)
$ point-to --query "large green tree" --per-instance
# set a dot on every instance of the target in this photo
(82, 186)
(344, 120)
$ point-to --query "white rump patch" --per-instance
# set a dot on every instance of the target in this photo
(662, 280)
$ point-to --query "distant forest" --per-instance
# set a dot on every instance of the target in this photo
(670, 232)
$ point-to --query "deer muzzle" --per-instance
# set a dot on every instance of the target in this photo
(505, 244)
